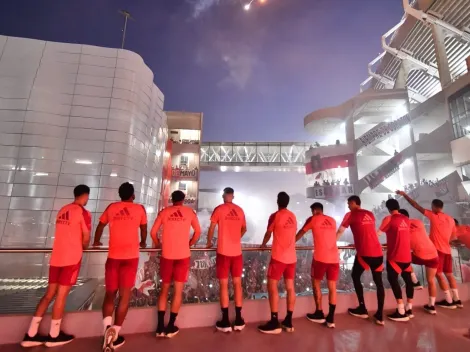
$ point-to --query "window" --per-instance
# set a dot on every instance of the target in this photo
(182, 186)
(184, 160)
(459, 105)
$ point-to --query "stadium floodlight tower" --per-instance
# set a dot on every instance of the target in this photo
(127, 16)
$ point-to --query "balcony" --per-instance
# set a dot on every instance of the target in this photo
(200, 311)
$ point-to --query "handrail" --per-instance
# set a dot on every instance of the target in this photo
(156, 250)
(254, 248)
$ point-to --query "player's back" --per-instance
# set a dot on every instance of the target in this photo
(177, 221)
(324, 237)
(420, 243)
(284, 226)
(398, 239)
(230, 220)
(441, 230)
(124, 219)
(71, 221)
(362, 224)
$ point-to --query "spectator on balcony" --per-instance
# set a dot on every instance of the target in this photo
(346, 182)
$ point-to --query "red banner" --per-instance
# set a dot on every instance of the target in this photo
(318, 164)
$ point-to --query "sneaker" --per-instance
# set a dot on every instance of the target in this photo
(330, 322)
(223, 326)
(458, 303)
(239, 324)
(160, 331)
(171, 331)
(398, 317)
(430, 309)
(409, 314)
(61, 339)
(271, 327)
(378, 319)
(417, 286)
(360, 312)
(445, 304)
(119, 342)
(34, 341)
(108, 339)
(317, 317)
(287, 325)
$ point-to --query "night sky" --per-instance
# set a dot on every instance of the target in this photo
(254, 74)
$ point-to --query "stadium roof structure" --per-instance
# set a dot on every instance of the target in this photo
(412, 59)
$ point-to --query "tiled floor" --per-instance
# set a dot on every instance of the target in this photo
(443, 332)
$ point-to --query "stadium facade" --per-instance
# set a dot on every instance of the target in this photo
(409, 126)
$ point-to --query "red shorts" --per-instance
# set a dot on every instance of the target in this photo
(445, 263)
(226, 265)
(120, 273)
(278, 269)
(174, 269)
(64, 275)
(319, 269)
(428, 263)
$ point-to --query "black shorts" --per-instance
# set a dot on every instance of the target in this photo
(375, 264)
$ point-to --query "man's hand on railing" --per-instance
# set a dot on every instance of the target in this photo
(157, 245)
(209, 245)
(263, 246)
(97, 244)
(143, 245)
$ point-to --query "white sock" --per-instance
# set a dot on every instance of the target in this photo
(414, 278)
(432, 301)
(448, 296)
(117, 329)
(34, 326)
(409, 306)
(401, 308)
(455, 294)
(107, 321)
(55, 328)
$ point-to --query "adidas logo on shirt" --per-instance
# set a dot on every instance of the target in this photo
(289, 223)
(63, 219)
(367, 219)
(176, 216)
(232, 215)
(403, 225)
(326, 224)
(123, 214)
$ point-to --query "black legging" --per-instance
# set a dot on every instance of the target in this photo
(392, 276)
(358, 270)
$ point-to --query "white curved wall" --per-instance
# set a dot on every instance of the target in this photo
(63, 103)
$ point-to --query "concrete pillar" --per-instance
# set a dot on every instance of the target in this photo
(350, 138)
(438, 36)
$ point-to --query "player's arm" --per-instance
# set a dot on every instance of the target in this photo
(344, 225)
(267, 237)
(98, 234)
(412, 202)
(85, 224)
(155, 228)
(340, 232)
(303, 230)
(214, 221)
(210, 234)
(197, 231)
(243, 226)
(85, 238)
(269, 231)
(143, 228)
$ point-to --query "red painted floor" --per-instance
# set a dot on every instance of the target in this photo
(443, 332)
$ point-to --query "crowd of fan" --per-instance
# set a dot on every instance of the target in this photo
(331, 183)
(408, 189)
(202, 285)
